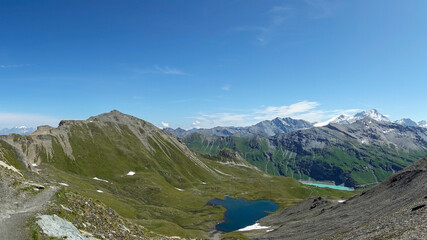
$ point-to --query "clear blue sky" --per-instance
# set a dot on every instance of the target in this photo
(204, 63)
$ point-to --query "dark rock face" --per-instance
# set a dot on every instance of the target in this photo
(394, 209)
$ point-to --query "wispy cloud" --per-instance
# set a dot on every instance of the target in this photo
(6, 66)
(226, 87)
(169, 70)
(8, 120)
(166, 70)
(165, 124)
(320, 8)
(277, 16)
(307, 110)
(276, 9)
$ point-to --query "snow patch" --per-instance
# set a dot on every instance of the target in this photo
(255, 226)
(179, 189)
(63, 184)
(34, 165)
(341, 201)
(100, 191)
(98, 179)
(130, 173)
(203, 183)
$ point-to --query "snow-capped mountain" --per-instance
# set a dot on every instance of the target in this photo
(422, 123)
(348, 119)
(23, 130)
(407, 122)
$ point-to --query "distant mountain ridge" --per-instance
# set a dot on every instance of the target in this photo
(269, 128)
(348, 119)
(23, 130)
(361, 153)
(265, 128)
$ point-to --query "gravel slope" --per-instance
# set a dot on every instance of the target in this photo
(394, 209)
(19, 201)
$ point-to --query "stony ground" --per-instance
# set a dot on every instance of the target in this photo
(19, 201)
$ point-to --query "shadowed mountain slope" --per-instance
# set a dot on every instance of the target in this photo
(394, 209)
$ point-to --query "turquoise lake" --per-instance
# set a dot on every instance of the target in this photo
(329, 186)
(241, 213)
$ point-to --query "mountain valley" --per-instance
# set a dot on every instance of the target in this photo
(143, 174)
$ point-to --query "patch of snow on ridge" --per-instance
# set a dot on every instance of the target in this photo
(100, 191)
(130, 173)
(63, 184)
(179, 189)
(255, 226)
(98, 179)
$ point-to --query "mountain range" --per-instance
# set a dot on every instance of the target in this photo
(23, 130)
(278, 125)
(134, 170)
(265, 128)
(119, 177)
(356, 154)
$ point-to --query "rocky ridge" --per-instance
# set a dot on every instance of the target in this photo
(394, 209)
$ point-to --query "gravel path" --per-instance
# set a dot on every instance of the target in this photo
(14, 215)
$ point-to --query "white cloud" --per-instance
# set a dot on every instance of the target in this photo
(165, 124)
(169, 70)
(226, 87)
(166, 70)
(282, 111)
(8, 120)
(321, 8)
(12, 65)
(277, 16)
(306, 110)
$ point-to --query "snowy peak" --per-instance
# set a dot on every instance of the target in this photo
(23, 130)
(348, 119)
(373, 113)
(406, 122)
(422, 123)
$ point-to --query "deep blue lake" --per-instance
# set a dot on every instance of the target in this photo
(241, 213)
